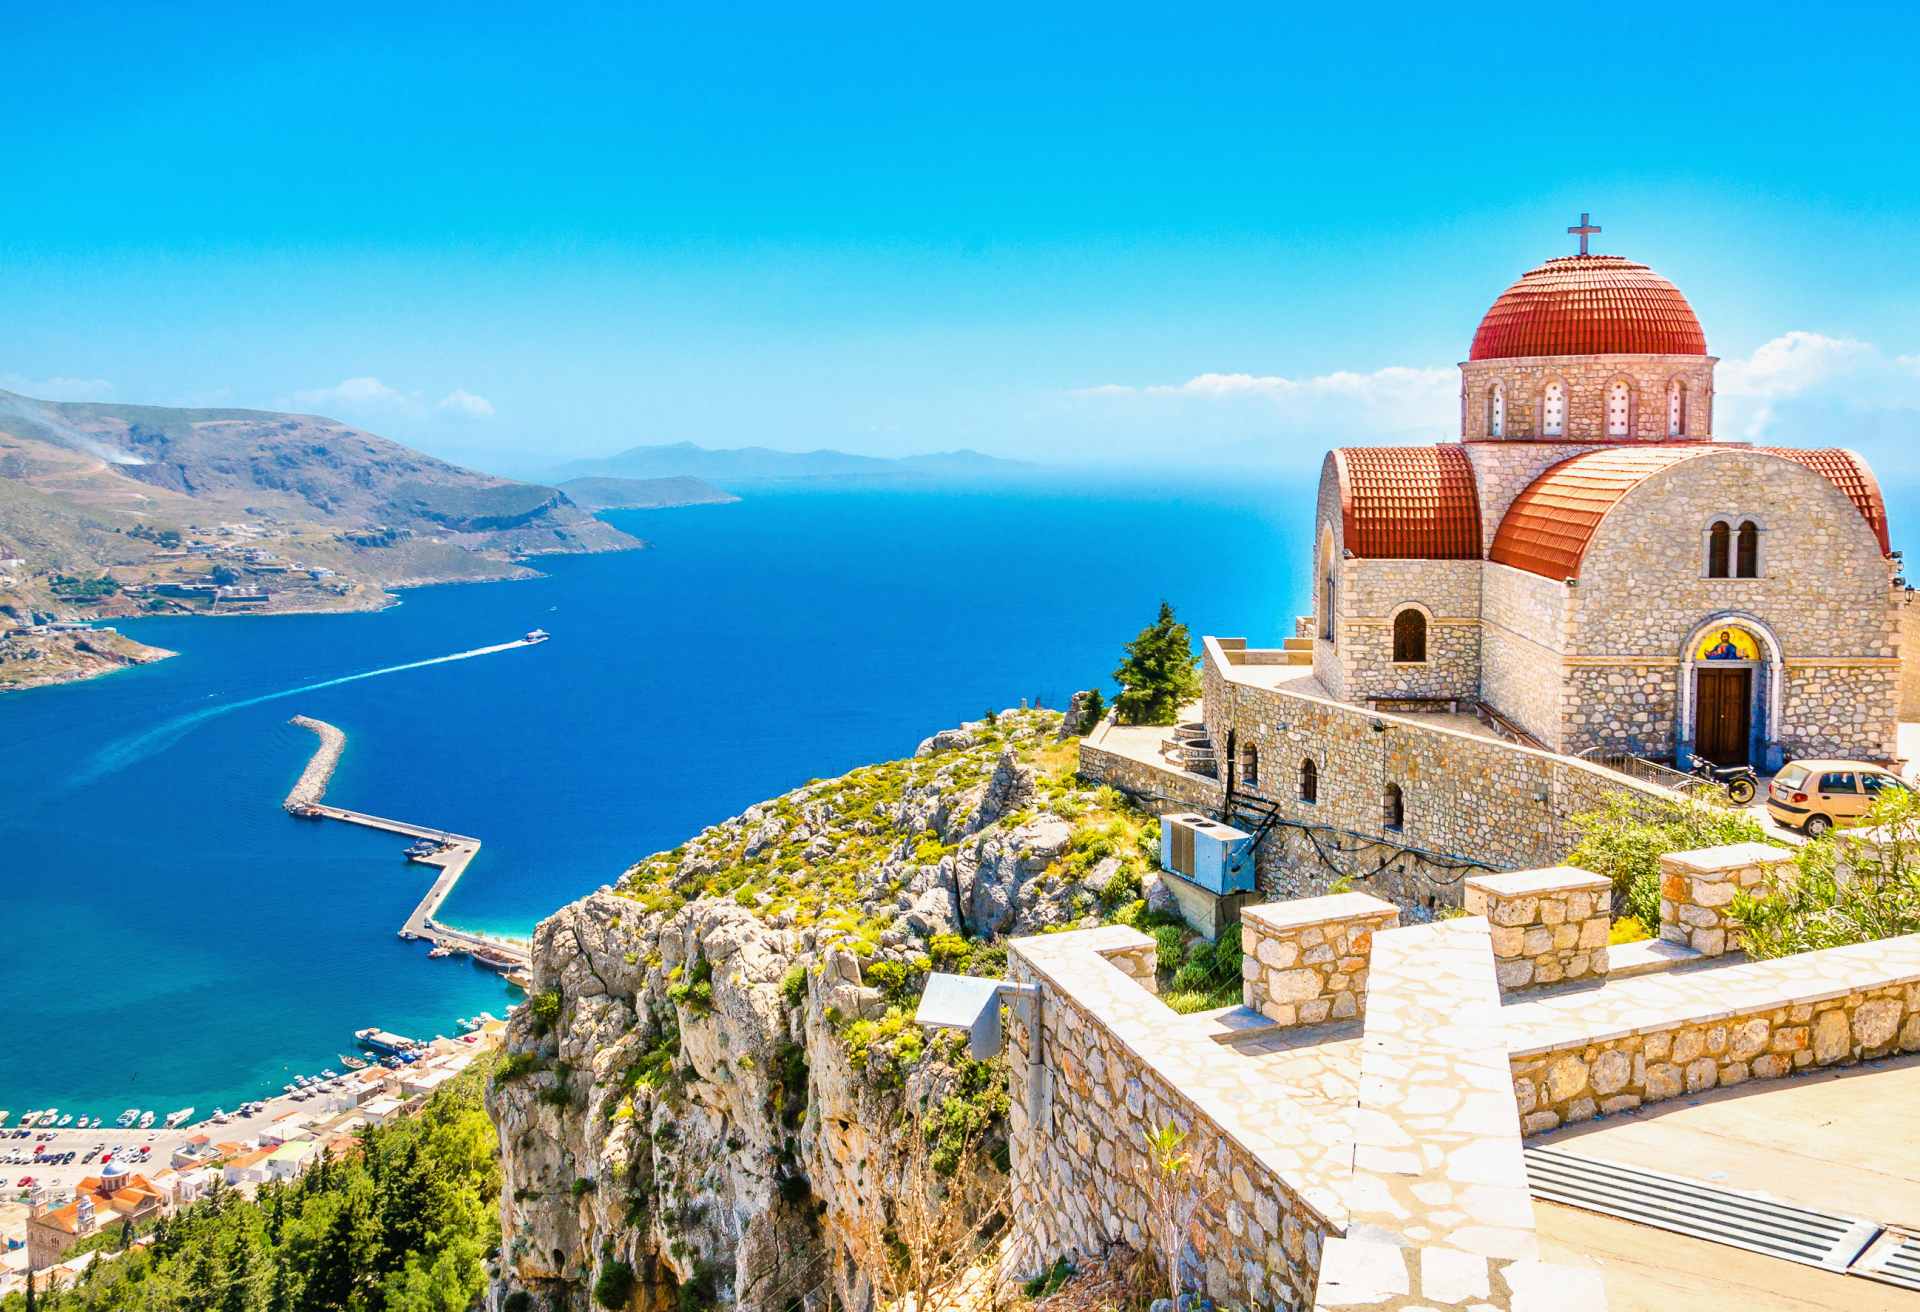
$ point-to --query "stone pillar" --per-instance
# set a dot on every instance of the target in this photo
(1548, 925)
(1697, 887)
(1306, 960)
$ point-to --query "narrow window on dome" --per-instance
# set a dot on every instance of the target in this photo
(1747, 551)
(1553, 411)
(1676, 409)
(1717, 542)
(1618, 399)
(1497, 412)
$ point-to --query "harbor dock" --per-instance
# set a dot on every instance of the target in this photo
(452, 854)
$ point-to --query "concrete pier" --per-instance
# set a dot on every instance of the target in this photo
(452, 859)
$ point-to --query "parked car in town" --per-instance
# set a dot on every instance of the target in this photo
(1814, 796)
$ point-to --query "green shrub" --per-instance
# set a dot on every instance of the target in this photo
(514, 1066)
(693, 989)
(793, 986)
(545, 1010)
(1811, 908)
(613, 1288)
(1625, 839)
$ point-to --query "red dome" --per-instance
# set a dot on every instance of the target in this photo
(1589, 305)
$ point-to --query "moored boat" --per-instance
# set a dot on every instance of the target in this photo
(146, 1120)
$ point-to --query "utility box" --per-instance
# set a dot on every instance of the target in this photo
(1202, 850)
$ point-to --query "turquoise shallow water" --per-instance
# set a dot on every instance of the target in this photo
(173, 938)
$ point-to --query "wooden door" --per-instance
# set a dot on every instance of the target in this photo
(1723, 703)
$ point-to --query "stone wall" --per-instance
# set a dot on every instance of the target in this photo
(1697, 887)
(1547, 925)
(1584, 1054)
(1118, 1065)
(1158, 787)
(1523, 621)
(1447, 592)
(1305, 961)
(1586, 379)
(1464, 795)
(1909, 634)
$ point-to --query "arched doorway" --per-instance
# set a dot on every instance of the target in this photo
(1730, 693)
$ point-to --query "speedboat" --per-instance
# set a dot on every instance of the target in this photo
(65, 1120)
(146, 1120)
(126, 1118)
(176, 1119)
(536, 635)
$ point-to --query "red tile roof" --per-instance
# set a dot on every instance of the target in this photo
(1549, 526)
(1589, 305)
(1408, 502)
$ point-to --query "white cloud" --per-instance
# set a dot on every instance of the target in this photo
(1808, 387)
(363, 393)
(1386, 403)
(465, 404)
(58, 388)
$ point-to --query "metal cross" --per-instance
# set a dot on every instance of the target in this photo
(1584, 228)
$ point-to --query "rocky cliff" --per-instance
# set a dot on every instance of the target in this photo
(707, 1097)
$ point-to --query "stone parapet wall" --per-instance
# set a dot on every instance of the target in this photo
(1158, 787)
(1697, 887)
(1547, 925)
(1583, 1054)
(1119, 1064)
(1305, 961)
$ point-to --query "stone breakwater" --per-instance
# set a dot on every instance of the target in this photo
(313, 780)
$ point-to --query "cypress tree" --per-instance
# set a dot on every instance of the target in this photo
(1157, 677)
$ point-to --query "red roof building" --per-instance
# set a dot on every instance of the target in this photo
(1589, 305)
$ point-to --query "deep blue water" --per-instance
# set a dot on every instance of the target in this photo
(173, 938)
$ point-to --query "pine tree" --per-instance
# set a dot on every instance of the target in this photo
(1157, 677)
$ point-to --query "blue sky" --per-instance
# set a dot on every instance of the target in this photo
(514, 236)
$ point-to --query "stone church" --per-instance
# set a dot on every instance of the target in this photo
(1593, 566)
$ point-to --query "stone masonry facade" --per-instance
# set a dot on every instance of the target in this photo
(1697, 888)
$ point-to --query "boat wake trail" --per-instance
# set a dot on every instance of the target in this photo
(119, 755)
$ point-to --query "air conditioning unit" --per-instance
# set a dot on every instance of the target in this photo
(1216, 856)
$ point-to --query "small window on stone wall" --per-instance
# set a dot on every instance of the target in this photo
(1553, 411)
(1747, 551)
(1409, 638)
(1676, 409)
(1327, 600)
(1718, 544)
(1309, 781)
(1497, 412)
(1395, 811)
(1250, 765)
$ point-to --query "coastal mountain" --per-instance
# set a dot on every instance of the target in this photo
(753, 463)
(722, 1045)
(643, 493)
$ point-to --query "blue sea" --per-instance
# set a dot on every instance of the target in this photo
(172, 937)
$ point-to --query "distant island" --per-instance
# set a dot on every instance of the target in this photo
(755, 463)
(643, 493)
(126, 510)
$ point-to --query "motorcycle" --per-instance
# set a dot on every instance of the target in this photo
(1740, 781)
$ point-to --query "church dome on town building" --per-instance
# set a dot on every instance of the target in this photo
(1589, 305)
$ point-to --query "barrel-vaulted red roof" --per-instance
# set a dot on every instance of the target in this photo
(1408, 502)
(1549, 526)
(1589, 305)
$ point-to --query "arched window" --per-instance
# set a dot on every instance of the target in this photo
(1309, 781)
(1497, 412)
(1394, 814)
(1619, 406)
(1553, 410)
(1746, 564)
(1250, 765)
(1717, 549)
(1326, 605)
(1409, 638)
(1676, 409)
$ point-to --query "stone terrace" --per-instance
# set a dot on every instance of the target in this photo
(1377, 1162)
